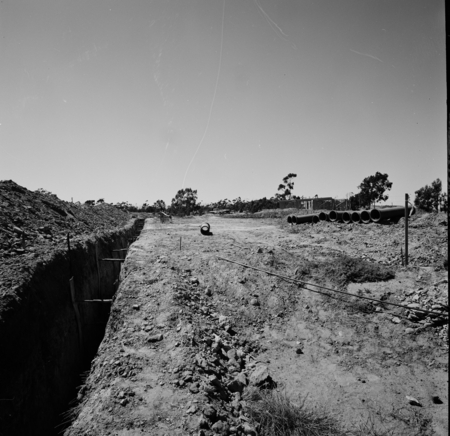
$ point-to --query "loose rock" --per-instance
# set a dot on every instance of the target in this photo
(155, 338)
(260, 377)
(248, 429)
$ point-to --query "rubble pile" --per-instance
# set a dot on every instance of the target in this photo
(427, 238)
(221, 368)
(35, 224)
(433, 298)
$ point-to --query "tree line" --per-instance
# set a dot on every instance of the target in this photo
(372, 189)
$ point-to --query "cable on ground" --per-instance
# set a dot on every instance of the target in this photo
(296, 281)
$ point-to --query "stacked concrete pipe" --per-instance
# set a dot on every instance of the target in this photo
(305, 219)
(377, 215)
(346, 217)
(335, 215)
(355, 216)
(365, 216)
(323, 216)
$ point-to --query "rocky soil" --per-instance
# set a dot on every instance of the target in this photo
(33, 225)
(191, 335)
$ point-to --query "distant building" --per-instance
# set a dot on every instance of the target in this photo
(316, 203)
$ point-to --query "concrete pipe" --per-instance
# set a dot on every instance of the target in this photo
(323, 216)
(205, 229)
(355, 216)
(378, 215)
(346, 217)
(365, 216)
(335, 215)
(306, 219)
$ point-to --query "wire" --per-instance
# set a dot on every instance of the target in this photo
(328, 289)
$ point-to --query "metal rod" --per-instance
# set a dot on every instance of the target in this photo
(406, 229)
(113, 260)
(96, 301)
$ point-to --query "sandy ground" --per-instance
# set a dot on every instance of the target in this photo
(154, 372)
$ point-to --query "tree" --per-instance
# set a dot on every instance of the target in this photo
(429, 198)
(373, 188)
(285, 188)
(184, 201)
(124, 205)
(89, 202)
(44, 192)
(159, 205)
(355, 202)
(100, 201)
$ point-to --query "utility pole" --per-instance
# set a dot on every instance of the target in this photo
(406, 229)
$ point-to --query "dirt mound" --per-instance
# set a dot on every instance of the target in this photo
(35, 224)
(425, 219)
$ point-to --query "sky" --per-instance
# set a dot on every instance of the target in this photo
(132, 100)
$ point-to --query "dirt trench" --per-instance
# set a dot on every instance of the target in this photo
(45, 343)
(189, 334)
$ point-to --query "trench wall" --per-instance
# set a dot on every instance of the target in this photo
(41, 354)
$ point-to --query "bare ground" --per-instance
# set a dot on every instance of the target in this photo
(188, 330)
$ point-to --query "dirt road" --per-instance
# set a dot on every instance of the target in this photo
(189, 332)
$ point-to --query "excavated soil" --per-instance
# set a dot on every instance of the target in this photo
(190, 333)
(34, 226)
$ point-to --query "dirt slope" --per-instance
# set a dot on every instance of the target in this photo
(35, 224)
(189, 332)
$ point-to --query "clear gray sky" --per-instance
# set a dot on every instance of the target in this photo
(131, 100)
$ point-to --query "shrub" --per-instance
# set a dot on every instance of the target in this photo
(429, 198)
(275, 415)
(344, 269)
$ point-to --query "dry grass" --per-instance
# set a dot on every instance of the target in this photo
(273, 414)
(399, 421)
(343, 269)
(75, 406)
